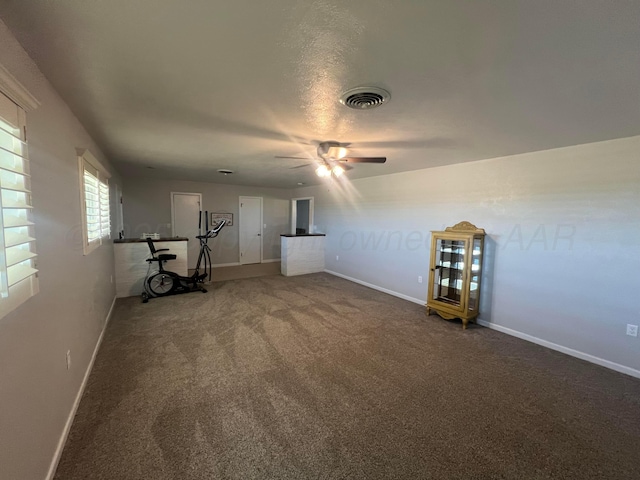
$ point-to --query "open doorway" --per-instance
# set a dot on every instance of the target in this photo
(302, 216)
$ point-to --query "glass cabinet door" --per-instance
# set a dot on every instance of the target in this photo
(448, 271)
(476, 267)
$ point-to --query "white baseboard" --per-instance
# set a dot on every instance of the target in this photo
(529, 338)
(376, 287)
(67, 427)
(237, 264)
(566, 350)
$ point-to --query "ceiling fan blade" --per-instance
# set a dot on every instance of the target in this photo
(364, 159)
(300, 166)
(295, 158)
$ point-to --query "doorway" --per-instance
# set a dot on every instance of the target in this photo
(185, 212)
(119, 212)
(250, 230)
(302, 216)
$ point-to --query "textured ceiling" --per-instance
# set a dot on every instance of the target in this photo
(178, 89)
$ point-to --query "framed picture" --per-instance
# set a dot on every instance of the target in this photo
(216, 217)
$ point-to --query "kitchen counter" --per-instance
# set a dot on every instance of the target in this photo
(303, 235)
(144, 240)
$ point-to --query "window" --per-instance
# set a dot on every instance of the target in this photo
(18, 272)
(94, 188)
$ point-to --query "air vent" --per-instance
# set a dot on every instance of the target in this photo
(364, 98)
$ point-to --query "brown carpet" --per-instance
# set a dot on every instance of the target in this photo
(315, 377)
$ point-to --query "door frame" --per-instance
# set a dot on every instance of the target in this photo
(173, 213)
(119, 211)
(240, 198)
(294, 214)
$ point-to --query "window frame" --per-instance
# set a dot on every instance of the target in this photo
(88, 163)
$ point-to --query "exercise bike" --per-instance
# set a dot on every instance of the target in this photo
(164, 283)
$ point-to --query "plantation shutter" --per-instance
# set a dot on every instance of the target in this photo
(105, 214)
(91, 203)
(95, 198)
(18, 263)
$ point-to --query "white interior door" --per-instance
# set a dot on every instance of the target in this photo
(250, 230)
(185, 210)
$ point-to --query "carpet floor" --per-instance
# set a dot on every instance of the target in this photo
(316, 377)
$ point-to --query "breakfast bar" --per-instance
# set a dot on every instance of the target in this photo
(302, 254)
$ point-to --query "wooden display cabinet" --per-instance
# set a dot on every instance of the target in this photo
(456, 272)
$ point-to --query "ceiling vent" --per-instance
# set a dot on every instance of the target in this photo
(364, 98)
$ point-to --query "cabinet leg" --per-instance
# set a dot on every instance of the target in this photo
(464, 323)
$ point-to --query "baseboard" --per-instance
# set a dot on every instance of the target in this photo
(272, 260)
(529, 338)
(237, 264)
(376, 287)
(67, 427)
(566, 350)
(232, 264)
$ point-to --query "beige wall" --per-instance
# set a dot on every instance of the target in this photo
(147, 208)
(37, 392)
(563, 255)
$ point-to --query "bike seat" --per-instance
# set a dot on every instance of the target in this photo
(166, 256)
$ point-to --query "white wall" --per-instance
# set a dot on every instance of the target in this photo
(147, 208)
(563, 247)
(37, 392)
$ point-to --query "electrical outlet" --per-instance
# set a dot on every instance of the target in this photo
(632, 330)
(337, 257)
(68, 359)
(419, 278)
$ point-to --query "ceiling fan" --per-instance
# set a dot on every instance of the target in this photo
(333, 159)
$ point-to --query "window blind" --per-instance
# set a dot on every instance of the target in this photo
(105, 213)
(18, 263)
(95, 192)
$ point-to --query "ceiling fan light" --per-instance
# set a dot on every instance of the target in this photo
(337, 170)
(323, 171)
